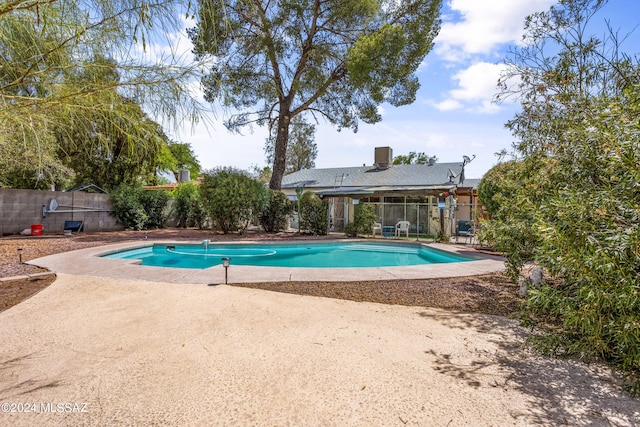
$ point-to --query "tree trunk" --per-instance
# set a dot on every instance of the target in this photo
(280, 150)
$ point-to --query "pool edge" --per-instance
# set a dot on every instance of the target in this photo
(89, 262)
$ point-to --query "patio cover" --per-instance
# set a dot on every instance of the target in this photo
(369, 191)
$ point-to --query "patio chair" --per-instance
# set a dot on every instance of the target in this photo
(402, 227)
(466, 229)
(377, 227)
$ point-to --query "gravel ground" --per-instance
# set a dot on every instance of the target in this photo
(490, 294)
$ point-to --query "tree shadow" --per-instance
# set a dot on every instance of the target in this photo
(556, 391)
(20, 388)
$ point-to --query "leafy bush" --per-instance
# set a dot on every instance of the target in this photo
(137, 209)
(154, 203)
(231, 198)
(582, 131)
(275, 216)
(363, 218)
(127, 208)
(188, 208)
(590, 228)
(581, 223)
(313, 214)
(350, 229)
(511, 192)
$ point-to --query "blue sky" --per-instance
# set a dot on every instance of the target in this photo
(453, 114)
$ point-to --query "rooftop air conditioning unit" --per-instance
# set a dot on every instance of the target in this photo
(383, 157)
(183, 175)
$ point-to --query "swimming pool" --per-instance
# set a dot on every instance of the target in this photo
(306, 255)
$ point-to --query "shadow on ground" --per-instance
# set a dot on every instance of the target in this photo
(558, 392)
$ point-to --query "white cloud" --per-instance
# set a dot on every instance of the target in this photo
(477, 82)
(474, 85)
(473, 36)
(479, 27)
(435, 141)
(448, 105)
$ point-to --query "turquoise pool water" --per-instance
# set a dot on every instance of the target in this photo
(309, 255)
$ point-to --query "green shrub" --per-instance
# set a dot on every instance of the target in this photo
(127, 208)
(188, 208)
(275, 216)
(137, 209)
(590, 228)
(363, 218)
(154, 203)
(510, 192)
(350, 229)
(231, 198)
(580, 134)
(313, 214)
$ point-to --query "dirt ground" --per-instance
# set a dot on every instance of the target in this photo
(471, 369)
(489, 294)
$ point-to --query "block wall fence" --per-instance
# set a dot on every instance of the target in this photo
(19, 209)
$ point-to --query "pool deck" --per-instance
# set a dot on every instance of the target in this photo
(88, 262)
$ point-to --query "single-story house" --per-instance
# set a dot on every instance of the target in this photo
(423, 194)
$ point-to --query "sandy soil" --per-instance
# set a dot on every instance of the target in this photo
(101, 351)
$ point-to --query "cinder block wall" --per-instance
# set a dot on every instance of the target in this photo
(19, 209)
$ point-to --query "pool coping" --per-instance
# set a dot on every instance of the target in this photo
(89, 262)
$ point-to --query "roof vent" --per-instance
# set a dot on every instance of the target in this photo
(383, 157)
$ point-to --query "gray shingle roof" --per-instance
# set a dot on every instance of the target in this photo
(369, 176)
(471, 183)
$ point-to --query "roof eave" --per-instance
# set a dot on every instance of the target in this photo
(382, 190)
